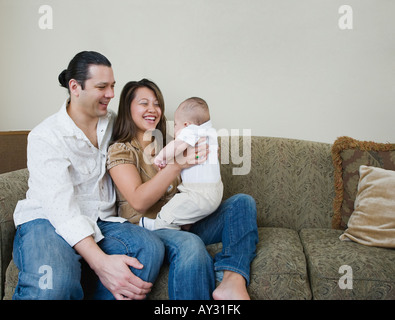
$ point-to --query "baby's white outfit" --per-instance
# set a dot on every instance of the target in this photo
(201, 189)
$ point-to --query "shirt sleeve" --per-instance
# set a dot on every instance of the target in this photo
(189, 135)
(119, 153)
(50, 185)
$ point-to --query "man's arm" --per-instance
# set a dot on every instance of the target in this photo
(51, 186)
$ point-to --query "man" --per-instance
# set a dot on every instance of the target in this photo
(69, 211)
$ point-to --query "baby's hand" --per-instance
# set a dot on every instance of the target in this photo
(160, 163)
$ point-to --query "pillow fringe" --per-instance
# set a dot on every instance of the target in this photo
(341, 144)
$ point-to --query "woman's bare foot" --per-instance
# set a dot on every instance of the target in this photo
(232, 287)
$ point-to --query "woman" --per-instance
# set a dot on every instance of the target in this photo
(142, 190)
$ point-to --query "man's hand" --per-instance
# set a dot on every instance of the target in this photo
(115, 275)
(113, 271)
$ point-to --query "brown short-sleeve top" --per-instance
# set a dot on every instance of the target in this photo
(132, 153)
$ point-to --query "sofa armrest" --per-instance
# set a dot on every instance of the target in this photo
(13, 187)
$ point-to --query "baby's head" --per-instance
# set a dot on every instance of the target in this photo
(192, 111)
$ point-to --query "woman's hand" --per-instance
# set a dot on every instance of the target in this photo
(193, 155)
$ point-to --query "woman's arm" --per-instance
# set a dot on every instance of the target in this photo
(142, 196)
(170, 152)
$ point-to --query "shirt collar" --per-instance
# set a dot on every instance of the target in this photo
(206, 125)
(69, 127)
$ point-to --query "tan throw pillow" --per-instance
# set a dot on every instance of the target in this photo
(373, 221)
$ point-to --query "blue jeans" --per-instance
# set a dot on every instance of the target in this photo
(192, 270)
(49, 268)
(234, 224)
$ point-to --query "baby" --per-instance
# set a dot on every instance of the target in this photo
(201, 188)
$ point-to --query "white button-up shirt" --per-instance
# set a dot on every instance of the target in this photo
(68, 182)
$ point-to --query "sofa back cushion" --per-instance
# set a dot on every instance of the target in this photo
(291, 180)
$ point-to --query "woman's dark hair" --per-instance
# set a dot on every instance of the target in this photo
(124, 127)
(78, 68)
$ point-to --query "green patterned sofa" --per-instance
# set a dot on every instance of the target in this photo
(299, 255)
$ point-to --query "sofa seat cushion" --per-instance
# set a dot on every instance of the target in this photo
(11, 280)
(372, 269)
(278, 271)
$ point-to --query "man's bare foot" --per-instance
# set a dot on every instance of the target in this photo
(232, 287)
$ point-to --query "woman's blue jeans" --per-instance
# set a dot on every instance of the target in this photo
(192, 270)
(51, 269)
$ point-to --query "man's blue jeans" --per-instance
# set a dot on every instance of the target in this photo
(49, 268)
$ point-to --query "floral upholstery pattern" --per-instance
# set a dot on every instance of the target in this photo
(291, 181)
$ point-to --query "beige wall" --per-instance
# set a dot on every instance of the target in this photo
(278, 67)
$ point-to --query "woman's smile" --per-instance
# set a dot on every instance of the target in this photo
(150, 118)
